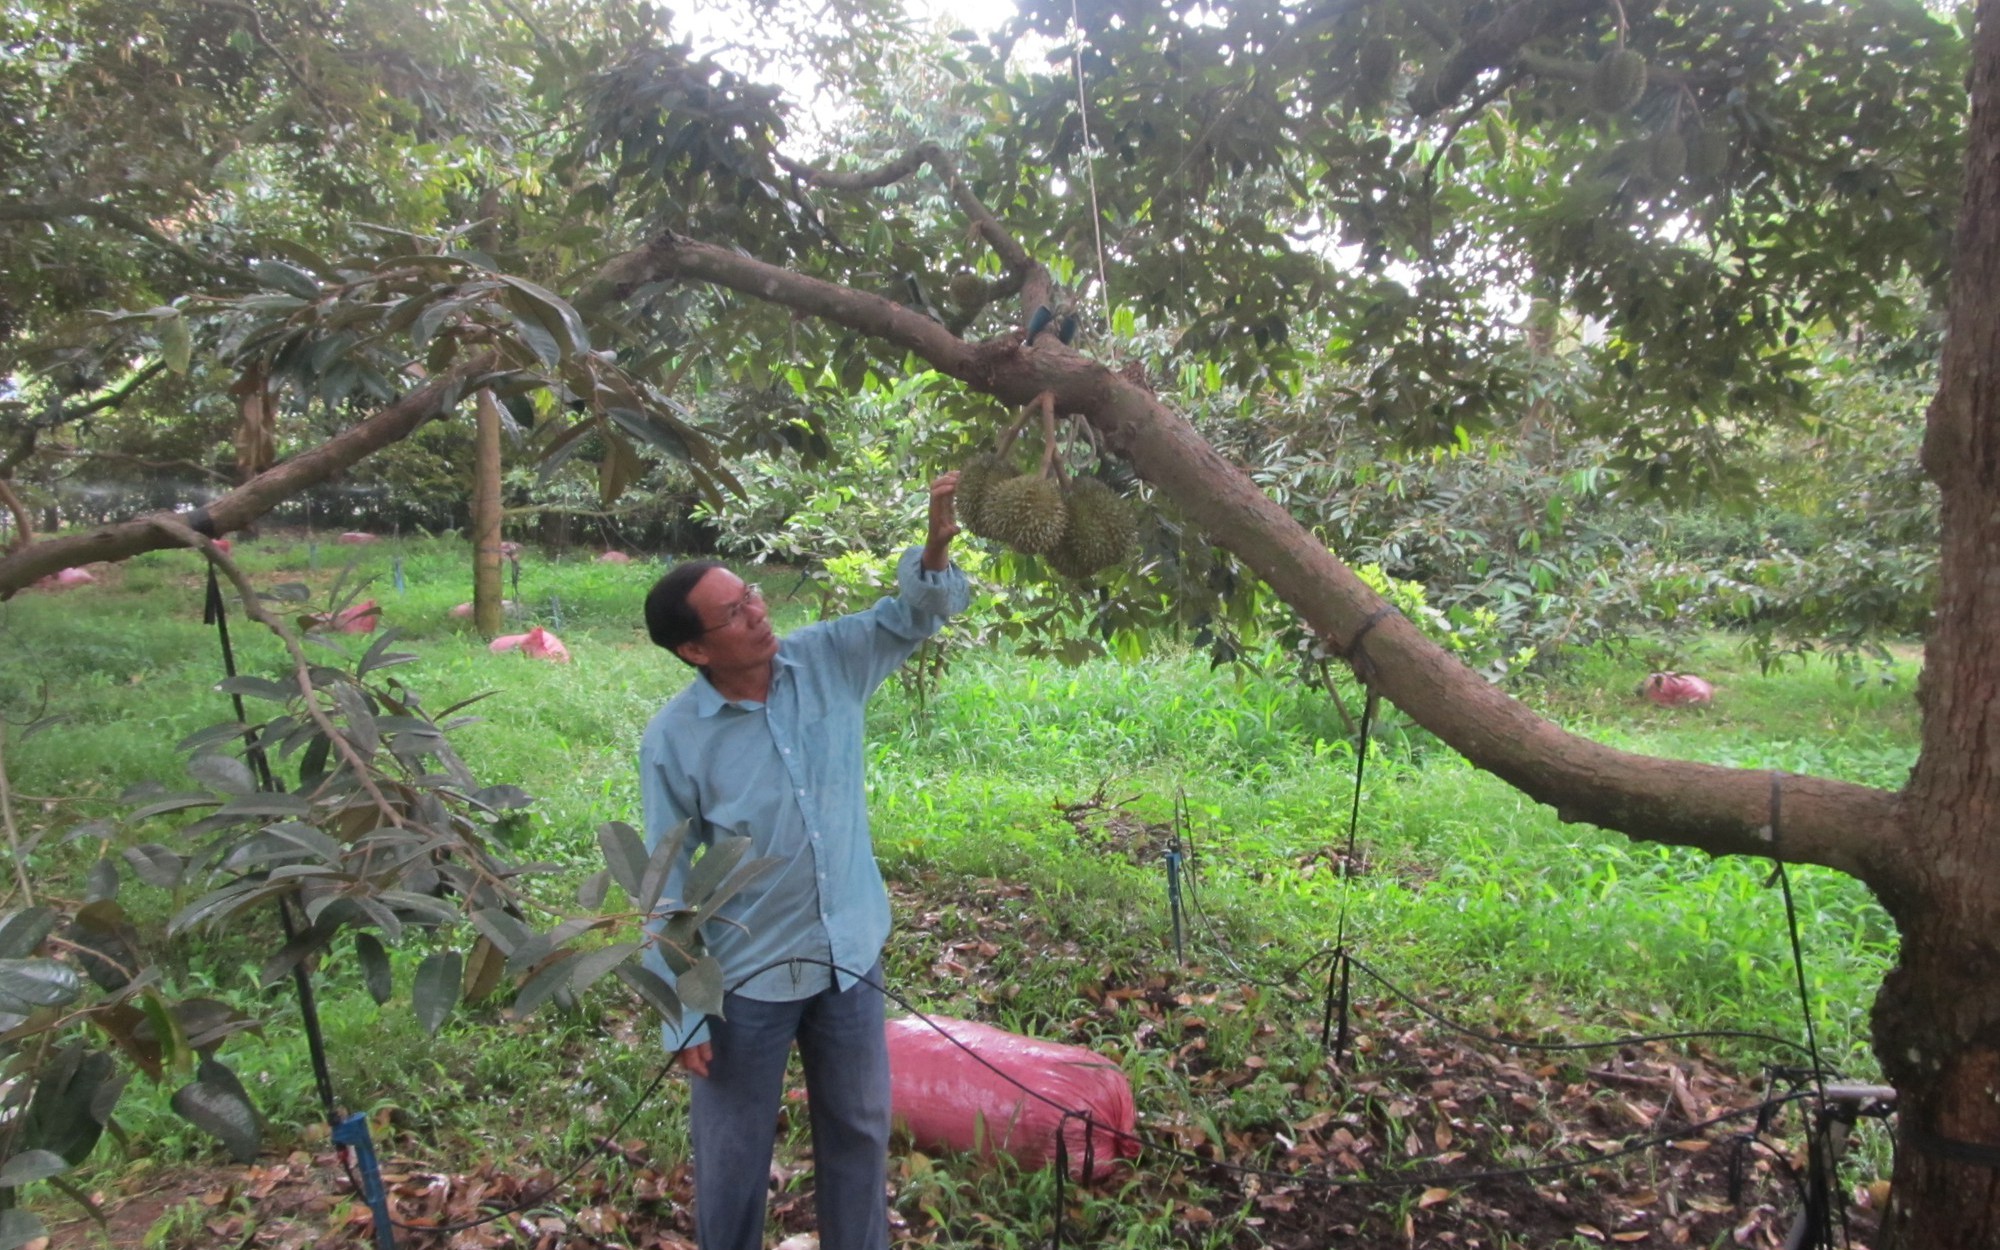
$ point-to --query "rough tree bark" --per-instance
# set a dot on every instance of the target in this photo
(242, 506)
(487, 614)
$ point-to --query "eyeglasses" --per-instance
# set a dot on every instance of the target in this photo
(752, 597)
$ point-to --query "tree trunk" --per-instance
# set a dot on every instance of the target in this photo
(488, 613)
(1937, 1019)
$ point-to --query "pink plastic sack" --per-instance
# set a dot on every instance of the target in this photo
(614, 557)
(1677, 689)
(357, 538)
(537, 643)
(464, 612)
(949, 1100)
(361, 618)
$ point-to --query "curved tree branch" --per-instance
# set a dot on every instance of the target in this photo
(1494, 45)
(242, 506)
(1724, 811)
(111, 215)
(1023, 274)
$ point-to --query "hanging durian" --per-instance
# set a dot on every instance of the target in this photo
(1101, 528)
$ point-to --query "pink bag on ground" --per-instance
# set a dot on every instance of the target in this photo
(949, 1100)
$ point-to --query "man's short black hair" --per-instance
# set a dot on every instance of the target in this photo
(669, 619)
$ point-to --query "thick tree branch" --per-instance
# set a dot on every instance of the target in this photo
(111, 215)
(24, 529)
(1023, 274)
(1720, 810)
(62, 416)
(242, 506)
(1493, 45)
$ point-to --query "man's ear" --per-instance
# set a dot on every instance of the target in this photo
(693, 653)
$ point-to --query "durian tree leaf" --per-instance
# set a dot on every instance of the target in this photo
(266, 803)
(590, 967)
(624, 855)
(379, 655)
(722, 855)
(653, 988)
(435, 991)
(700, 987)
(26, 984)
(171, 803)
(23, 932)
(543, 985)
(101, 881)
(59, 1115)
(155, 864)
(208, 1022)
(747, 875)
(222, 772)
(18, 1228)
(593, 890)
(216, 1103)
(31, 1165)
(279, 965)
(259, 687)
(375, 973)
(485, 969)
(658, 865)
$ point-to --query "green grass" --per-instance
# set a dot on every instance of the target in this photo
(1469, 895)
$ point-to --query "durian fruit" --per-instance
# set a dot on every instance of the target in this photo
(1618, 82)
(1668, 156)
(975, 483)
(1027, 513)
(1101, 528)
(1708, 153)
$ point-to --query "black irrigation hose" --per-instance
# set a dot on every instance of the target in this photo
(1093, 1126)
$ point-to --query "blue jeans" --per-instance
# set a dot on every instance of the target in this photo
(734, 1114)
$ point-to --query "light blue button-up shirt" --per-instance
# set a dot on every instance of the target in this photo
(787, 773)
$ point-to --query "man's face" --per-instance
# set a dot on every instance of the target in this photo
(736, 630)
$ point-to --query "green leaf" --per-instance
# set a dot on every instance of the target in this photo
(700, 987)
(29, 983)
(31, 1165)
(553, 312)
(624, 855)
(222, 772)
(259, 687)
(722, 855)
(18, 1228)
(266, 804)
(280, 965)
(155, 864)
(59, 1115)
(374, 967)
(171, 803)
(592, 965)
(652, 987)
(290, 279)
(217, 1104)
(591, 893)
(647, 896)
(379, 655)
(176, 344)
(543, 985)
(435, 991)
(23, 932)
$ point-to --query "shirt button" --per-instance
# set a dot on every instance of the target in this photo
(802, 794)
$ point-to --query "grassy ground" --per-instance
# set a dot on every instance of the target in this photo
(1023, 812)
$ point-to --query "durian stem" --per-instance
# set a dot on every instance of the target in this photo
(1048, 401)
(1014, 432)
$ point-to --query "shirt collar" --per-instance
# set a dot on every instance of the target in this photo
(708, 700)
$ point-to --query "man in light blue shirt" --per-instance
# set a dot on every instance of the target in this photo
(766, 743)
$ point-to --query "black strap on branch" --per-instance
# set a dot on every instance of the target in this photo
(1352, 652)
(1931, 1142)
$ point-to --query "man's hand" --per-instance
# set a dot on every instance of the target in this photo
(695, 1058)
(943, 523)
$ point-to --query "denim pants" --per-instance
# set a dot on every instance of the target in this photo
(734, 1114)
